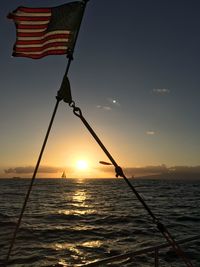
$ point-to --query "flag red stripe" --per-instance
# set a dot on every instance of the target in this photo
(23, 26)
(38, 49)
(52, 52)
(34, 10)
(22, 18)
(40, 34)
(52, 37)
(31, 34)
(30, 42)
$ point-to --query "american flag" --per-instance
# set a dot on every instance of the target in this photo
(46, 31)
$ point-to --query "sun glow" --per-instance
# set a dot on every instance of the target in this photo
(81, 164)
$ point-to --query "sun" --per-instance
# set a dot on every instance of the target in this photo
(81, 164)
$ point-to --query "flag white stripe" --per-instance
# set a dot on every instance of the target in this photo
(45, 43)
(32, 22)
(46, 50)
(25, 14)
(30, 30)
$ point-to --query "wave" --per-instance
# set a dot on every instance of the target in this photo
(95, 219)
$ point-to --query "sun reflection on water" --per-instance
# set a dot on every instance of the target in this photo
(92, 244)
(79, 196)
(62, 263)
(73, 248)
(77, 212)
(78, 204)
(79, 200)
(75, 253)
(67, 246)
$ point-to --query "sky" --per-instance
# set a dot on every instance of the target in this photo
(135, 76)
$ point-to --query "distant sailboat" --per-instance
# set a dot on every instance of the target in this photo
(63, 175)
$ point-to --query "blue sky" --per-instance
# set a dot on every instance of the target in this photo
(135, 75)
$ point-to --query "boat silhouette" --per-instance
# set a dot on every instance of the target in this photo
(63, 175)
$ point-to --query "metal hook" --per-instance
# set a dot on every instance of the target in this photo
(77, 111)
(72, 104)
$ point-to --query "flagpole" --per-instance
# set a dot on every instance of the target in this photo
(65, 91)
(59, 97)
(119, 172)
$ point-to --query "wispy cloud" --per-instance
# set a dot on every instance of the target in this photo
(150, 132)
(161, 91)
(30, 169)
(185, 169)
(139, 171)
(147, 170)
(154, 170)
(110, 170)
(104, 107)
(112, 102)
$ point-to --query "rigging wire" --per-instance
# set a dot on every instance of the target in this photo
(31, 183)
(119, 172)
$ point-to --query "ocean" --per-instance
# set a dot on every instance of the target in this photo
(72, 222)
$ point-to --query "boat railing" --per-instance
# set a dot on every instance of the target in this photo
(131, 255)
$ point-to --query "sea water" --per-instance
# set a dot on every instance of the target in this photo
(71, 222)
